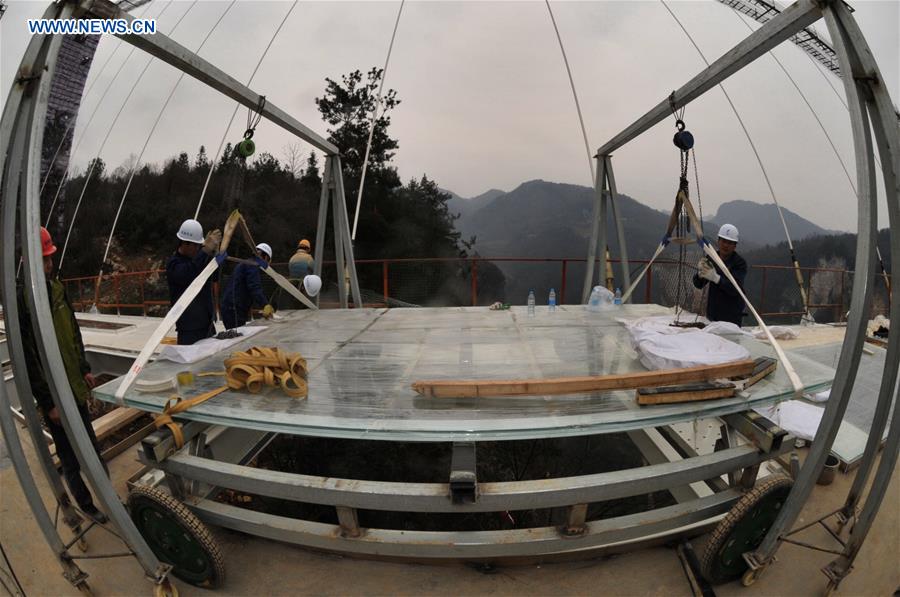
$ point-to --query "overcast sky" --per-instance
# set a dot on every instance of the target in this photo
(485, 98)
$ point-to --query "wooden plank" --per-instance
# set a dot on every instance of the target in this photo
(763, 367)
(129, 441)
(474, 388)
(114, 420)
(685, 393)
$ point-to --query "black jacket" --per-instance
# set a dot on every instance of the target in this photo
(180, 272)
(724, 302)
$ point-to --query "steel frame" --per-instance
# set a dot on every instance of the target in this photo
(605, 190)
(21, 133)
(869, 105)
(21, 137)
(195, 473)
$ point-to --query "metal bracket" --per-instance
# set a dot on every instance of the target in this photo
(160, 444)
(763, 433)
(463, 477)
(575, 521)
(348, 518)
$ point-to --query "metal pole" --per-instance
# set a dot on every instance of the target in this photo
(793, 19)
(851, 349)
(51, 359)
(11, 183)
(341, 204)
(40, 50)
(322, 222)
(338, 230)
(604, 223)
(595, 233)
(620, 227)
(562, 283)
(848, 38)
(173, 53)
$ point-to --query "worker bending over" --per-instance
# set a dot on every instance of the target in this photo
(244, 290)
(78, 375)
(723, 303)
(190, 258)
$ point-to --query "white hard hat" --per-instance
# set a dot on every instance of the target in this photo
(265, 248)
(729, 232)
(312, 284)
(191, 231)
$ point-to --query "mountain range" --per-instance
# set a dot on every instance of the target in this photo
(540, 219)
(547, 219)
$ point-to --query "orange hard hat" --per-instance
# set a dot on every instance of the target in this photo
(47, 246)
(304, 244)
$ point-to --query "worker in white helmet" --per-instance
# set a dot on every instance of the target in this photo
(190, 258)
(723, 302)
(244, 290)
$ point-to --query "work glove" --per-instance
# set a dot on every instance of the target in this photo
(221, 258)
(261, 262)
(707, 271)
(212, 241)
(268, 311)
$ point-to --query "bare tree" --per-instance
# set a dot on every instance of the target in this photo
(293, 159)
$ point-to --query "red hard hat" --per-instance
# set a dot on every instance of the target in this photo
(47, 246)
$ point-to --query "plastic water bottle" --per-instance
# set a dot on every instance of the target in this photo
(617, 300)
(594, 302)
(551, 304)
(531, 303)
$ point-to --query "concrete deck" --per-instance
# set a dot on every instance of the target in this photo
(260, 567)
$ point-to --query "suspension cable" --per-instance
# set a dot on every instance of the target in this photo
(562, 49)
(162, 111)
(90, 172)
(90, 119)
(797, 273)
(825, 132)
(215, 160)
(365, 164)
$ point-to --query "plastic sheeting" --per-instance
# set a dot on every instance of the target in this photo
(203, 349)
(796, 417)
(660, 345)
(363, 361)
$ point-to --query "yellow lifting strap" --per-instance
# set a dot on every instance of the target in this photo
(176, 404)
(259, 367)
(254, 369)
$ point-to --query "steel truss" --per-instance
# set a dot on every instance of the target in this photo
(21, 139)
(213, 458)
(871, 110)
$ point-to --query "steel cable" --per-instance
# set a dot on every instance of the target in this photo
(93, 165)
(153, 130)
(215, 160)
(365, 164)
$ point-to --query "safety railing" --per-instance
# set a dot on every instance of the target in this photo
(469, 281)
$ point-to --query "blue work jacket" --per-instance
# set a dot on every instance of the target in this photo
(180, 272)
(244, 290)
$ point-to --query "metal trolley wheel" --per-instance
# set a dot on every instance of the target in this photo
(177, 537)
(742, 530)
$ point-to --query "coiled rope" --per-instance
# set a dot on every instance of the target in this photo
(254, 369)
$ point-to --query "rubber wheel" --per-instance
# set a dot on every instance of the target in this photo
(177, 537)
(743, 529)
